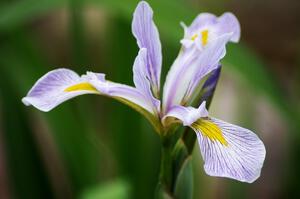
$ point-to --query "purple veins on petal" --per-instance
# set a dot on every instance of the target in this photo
(243, 157)
(49, 90)
(147, 36)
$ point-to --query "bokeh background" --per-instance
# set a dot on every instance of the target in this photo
(93, 147)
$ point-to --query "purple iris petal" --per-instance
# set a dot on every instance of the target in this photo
(48, 92)
(191, 66)
(241, 159)
(140, 79)
(187, 115)
(147, 36)
(216, 26)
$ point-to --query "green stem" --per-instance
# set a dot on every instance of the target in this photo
(164, 187)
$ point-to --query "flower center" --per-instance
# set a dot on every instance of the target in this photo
(204, 37)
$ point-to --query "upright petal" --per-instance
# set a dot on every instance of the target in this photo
(147, 36)
(207, 27)
(140, 78)
(191, 66)
(229, 150)
(56, 87)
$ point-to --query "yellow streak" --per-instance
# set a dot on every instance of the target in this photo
(194, 37)
(210, 130)
(204, 37)
(80, 87)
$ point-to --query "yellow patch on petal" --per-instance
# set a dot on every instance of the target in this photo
(204, 38)
(210, 130)
(194, 37)
(81, 87)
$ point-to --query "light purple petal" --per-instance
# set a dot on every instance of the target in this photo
(216, 27)
(128, 93)
(52, 89)
(191, 66)
(187, 115)
(229, 23)
(140, 78)
(202, 20)
(48, 91)
(147, 36)
(240, 159)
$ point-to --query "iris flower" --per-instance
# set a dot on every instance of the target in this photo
(227, 150)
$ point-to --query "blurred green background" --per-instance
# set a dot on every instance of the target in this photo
(93, 147)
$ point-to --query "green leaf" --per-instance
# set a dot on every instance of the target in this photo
(112, 190)
(184, 183)
(161, 193)
(179, 155)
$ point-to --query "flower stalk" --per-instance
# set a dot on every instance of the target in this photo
(165, 176)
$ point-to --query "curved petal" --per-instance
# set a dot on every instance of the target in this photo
(60, 85)
(187, 115)
(147, 36)
(229, 23)
(140, 79)
(207, 27)
(51, 89)
(229, 150)
(191, 66)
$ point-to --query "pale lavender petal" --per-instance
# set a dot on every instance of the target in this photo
(229, 23)
(147, 36)
(216, 27)
(202, 20)
(128, 93)
(241, 158)
(48, 91)
(191, 66)
(187, 115)
(140, 78)
(59, 85)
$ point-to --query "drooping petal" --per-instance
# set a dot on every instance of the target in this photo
(147, 36)
(56, 87)
(140, 79)
(229, 150)
(60, 85)
(191, 66)
(207, 27)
